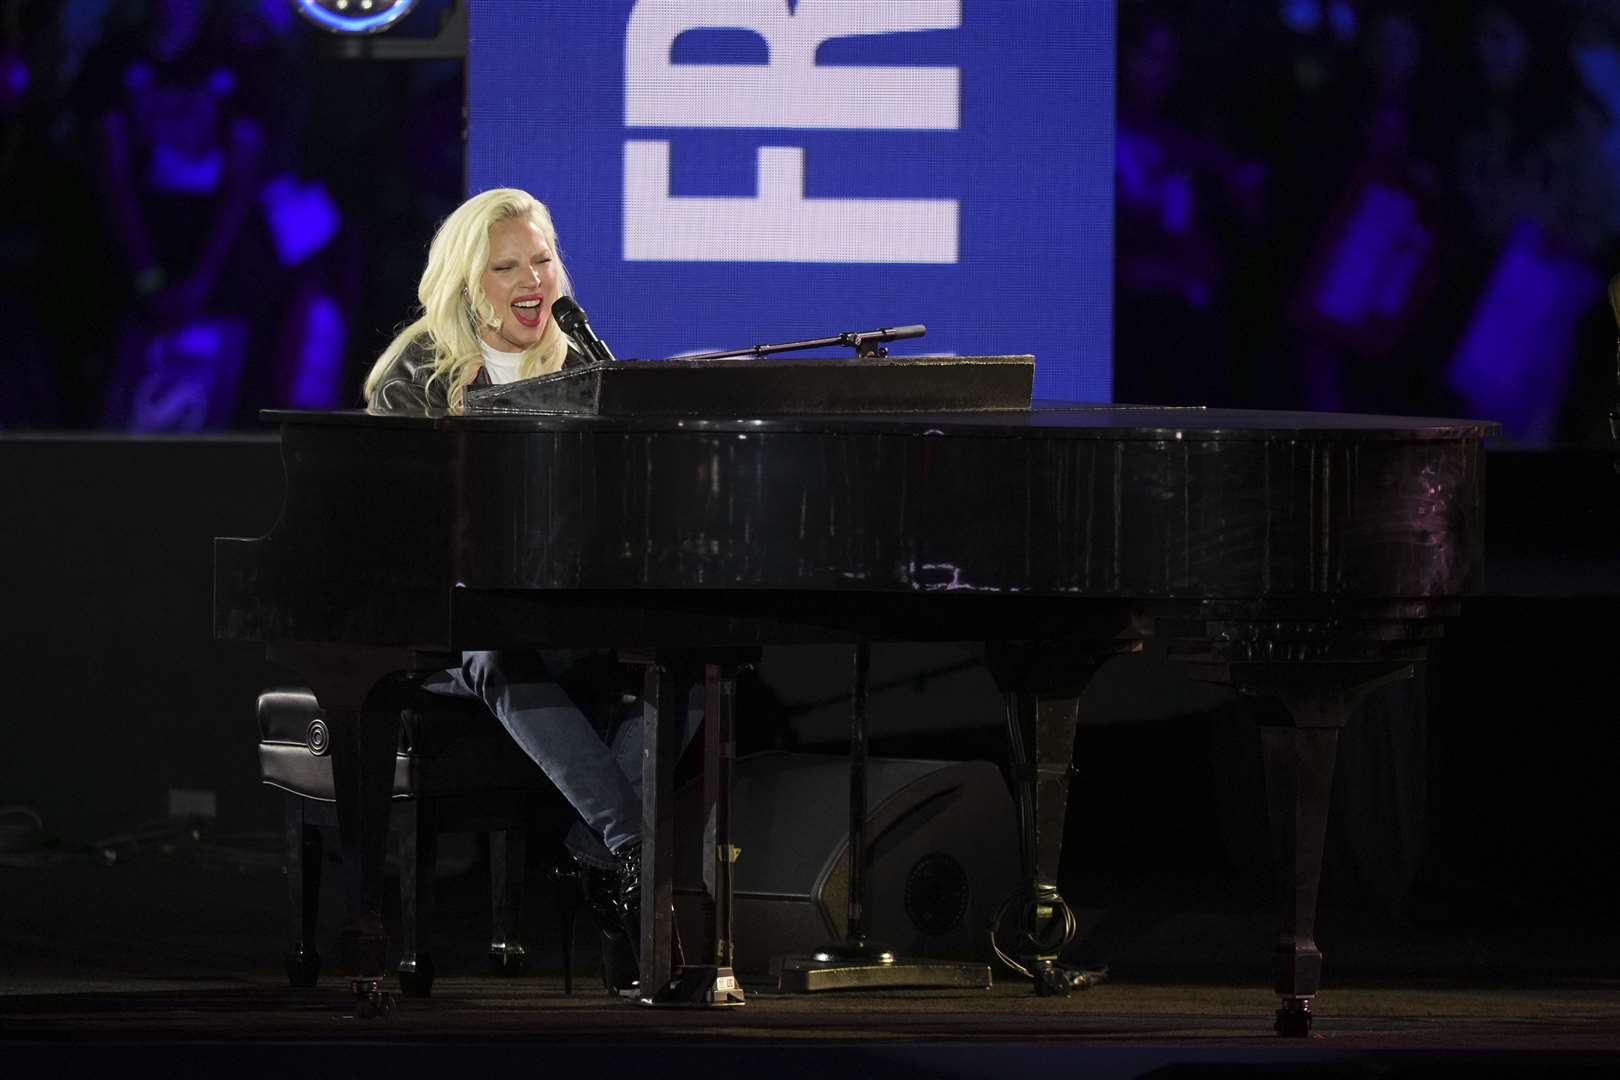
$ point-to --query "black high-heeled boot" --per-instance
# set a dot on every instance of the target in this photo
(621, 966)
(628, 883)
(629, 902)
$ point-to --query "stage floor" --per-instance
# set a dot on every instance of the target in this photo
(172, 959)
(1567, 1015)
(257, 1026)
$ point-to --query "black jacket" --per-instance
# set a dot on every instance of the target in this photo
(405, 389)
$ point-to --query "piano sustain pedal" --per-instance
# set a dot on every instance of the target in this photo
(1051, 980)
(700, 986)
(371, 1000)
(1054, 980)
(1294, 1018)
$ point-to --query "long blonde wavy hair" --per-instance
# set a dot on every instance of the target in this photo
(453, 301)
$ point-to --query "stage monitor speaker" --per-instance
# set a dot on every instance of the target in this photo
(942, 845)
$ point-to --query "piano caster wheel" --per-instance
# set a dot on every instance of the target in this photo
(303, 968)
(416, 980)
(1050, 981)
(507, 961)
(1294, 1018)
(370, 999)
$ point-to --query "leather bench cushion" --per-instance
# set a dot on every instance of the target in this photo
(447, 746)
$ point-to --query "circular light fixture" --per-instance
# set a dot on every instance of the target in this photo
(354, 16)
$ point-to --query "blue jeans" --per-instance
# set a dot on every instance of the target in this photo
(601, 780)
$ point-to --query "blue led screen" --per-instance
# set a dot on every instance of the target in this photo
(725, 173)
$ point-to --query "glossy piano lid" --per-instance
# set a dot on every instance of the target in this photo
(1046, 419)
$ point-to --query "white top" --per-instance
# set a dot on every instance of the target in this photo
(502, 366)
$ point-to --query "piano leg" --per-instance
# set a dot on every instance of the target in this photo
(710, 981)
(1042, 685)
(1036, 727)
(1299, 751)
(663, 708)
(364, 737)
(1299, 782)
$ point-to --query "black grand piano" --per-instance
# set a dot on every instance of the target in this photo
(1305, 557)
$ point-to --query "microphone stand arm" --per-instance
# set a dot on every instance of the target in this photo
(866, 343)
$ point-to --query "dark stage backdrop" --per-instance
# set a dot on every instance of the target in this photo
(122, 693)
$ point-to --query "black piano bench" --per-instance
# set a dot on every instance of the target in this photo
(456, 770)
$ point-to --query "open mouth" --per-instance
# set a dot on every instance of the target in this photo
(527, 310)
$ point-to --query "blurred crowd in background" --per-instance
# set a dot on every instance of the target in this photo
(1371, 206)
(1346, 205)
(205, 212)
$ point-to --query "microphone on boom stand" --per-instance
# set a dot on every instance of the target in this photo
(577, 325)
(866, 343)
